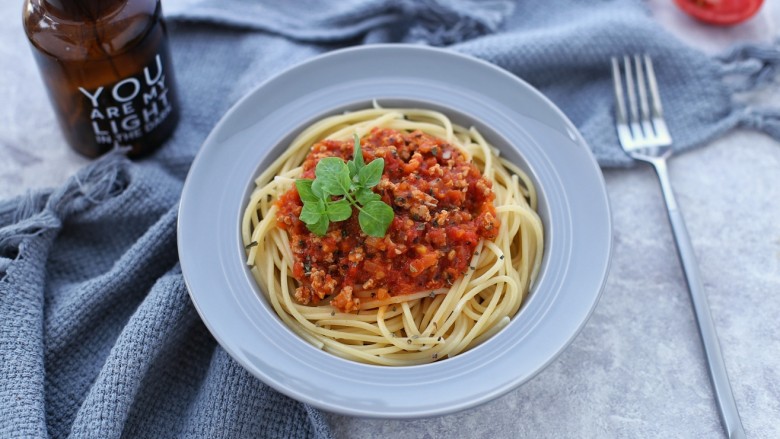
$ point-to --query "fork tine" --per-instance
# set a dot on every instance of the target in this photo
(658, 123)
(640, 82)
(655, 96)
(631, 92)
(621, 102)
(648, 127)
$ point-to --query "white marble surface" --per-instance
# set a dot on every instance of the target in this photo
(637, 369)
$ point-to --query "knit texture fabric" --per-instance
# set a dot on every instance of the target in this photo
(98, 337)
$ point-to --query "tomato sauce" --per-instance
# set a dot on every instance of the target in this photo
(443, 206)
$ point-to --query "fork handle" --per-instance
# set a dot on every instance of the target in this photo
(720, 379)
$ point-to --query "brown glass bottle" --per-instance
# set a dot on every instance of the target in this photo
(107, 68)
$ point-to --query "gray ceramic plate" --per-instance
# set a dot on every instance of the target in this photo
(512, 115)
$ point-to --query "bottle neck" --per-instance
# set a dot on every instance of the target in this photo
(82, 10)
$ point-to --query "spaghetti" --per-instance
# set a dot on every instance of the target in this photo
(399, 323)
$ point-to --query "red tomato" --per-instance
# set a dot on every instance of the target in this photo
(720, 12)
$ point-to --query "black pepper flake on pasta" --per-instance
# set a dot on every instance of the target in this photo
(332, 313)
(394, 308)
(432, 295)
(501, 257)
(435, 356)
(250, 245)
(472, 267)
(439, 339)
(408, 341)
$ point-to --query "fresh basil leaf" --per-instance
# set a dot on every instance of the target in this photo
(365, 196)
(353, 180)
(305, 191)
(316, 189)
(352, 169)
(370, 175)
(339, 210)
(344, 180)
(312, 212)
(357, 156)
(320, 228)
(334, 174)
(374, 218)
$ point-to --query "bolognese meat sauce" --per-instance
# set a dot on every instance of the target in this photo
(443, 206)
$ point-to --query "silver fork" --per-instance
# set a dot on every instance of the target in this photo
(644, 136)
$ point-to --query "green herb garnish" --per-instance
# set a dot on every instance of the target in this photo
(350, 183)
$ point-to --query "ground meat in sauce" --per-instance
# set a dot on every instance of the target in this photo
(443, 206)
